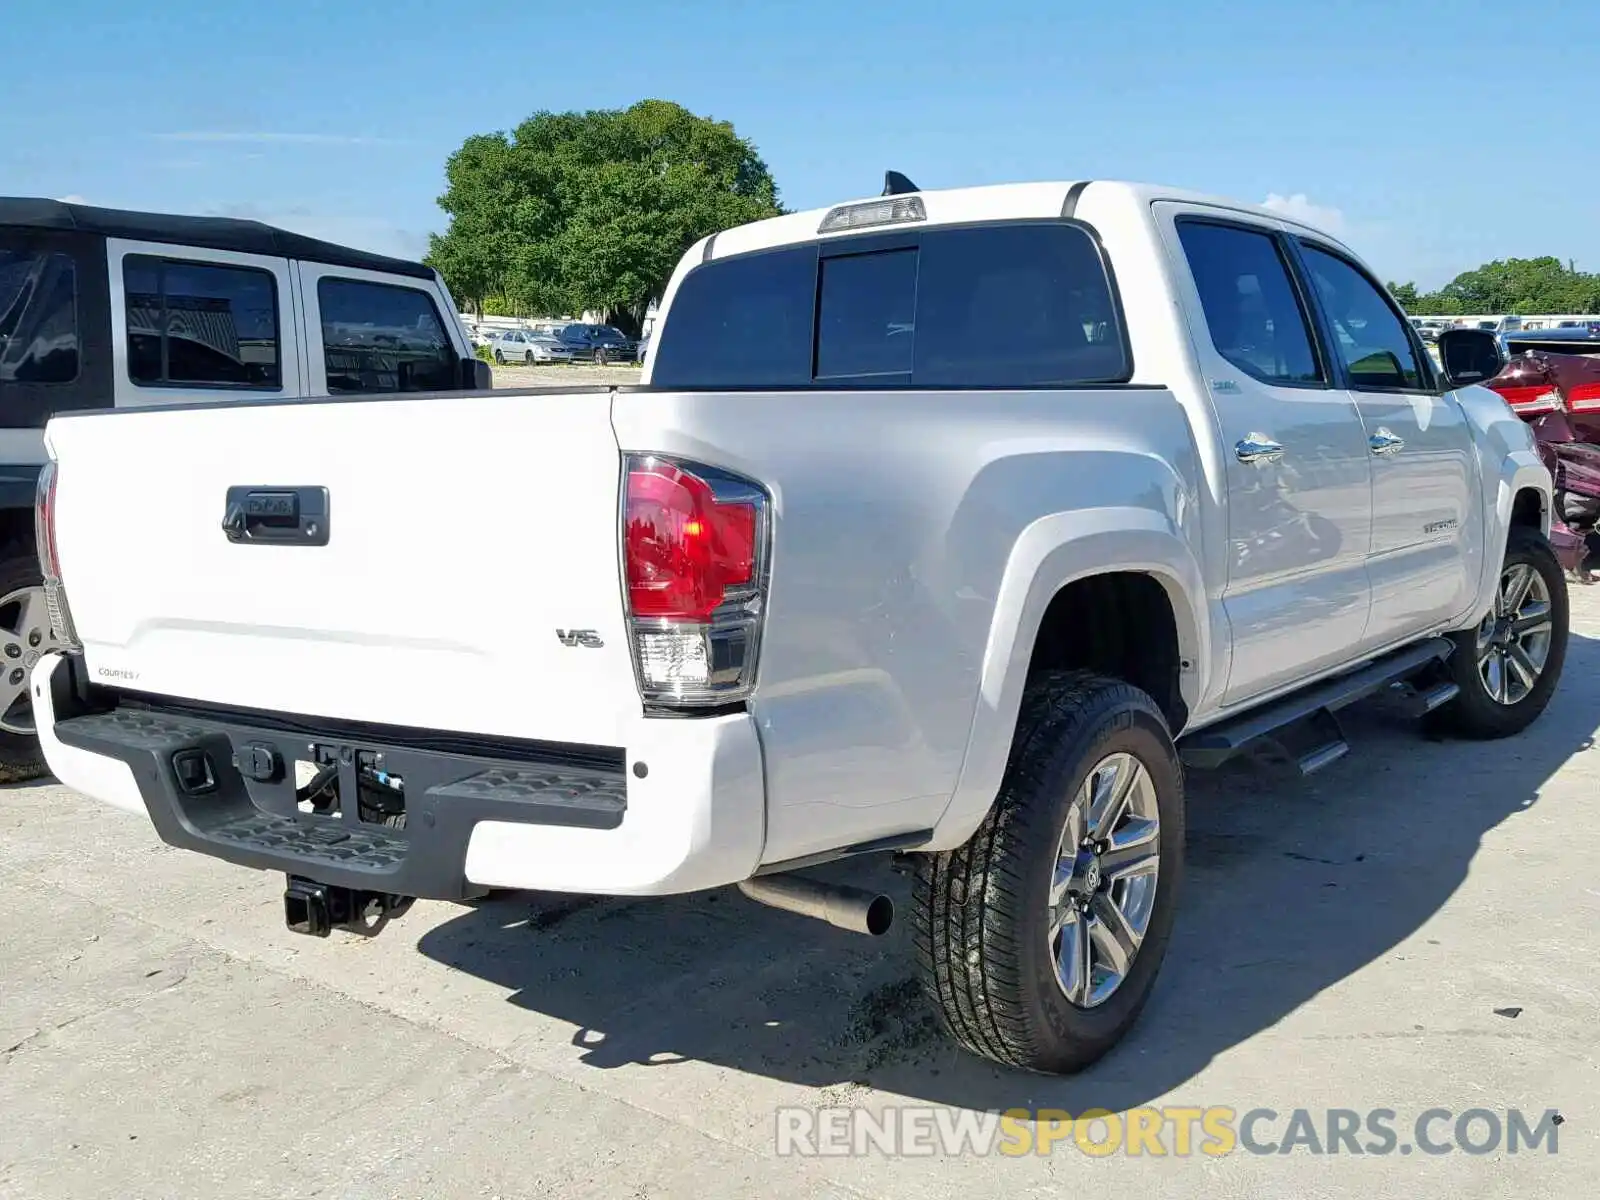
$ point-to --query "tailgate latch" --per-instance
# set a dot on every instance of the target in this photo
(276, 516)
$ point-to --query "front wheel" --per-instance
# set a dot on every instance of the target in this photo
(1509, 665)
(1040, 939)
(528, 358)
(500, 358)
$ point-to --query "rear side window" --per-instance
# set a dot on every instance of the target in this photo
(381, 338)
(38, 316)
(194, 324)
(1013, 305)
(1252, 309)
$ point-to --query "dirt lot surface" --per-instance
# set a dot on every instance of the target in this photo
(1416, 927)
(571, 375)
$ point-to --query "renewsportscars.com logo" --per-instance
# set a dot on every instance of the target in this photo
(1173, 1131)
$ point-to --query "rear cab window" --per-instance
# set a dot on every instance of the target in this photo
(380, 337)
(1025, 304)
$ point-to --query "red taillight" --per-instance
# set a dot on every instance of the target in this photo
(685, 550)
(1584, 397)
(44, 522)
(695, 542)
(1530, 398)
(44, 530)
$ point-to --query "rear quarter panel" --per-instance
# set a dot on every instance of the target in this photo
(914, 536)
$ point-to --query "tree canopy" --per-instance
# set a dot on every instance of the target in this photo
(592, 210)
(1512, 285)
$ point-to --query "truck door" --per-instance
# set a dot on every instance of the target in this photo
(1423, 563)
(1299, 490)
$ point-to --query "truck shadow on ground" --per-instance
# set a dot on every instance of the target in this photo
(1292, 886)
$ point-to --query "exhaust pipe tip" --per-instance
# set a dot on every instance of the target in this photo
(843, 907)
(878, 916)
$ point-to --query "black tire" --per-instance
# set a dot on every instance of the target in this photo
(500, 358)
(527, 358)
(20, 756)
(1475, 713)
(980, 914)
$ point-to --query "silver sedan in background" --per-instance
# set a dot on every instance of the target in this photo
(521, 346)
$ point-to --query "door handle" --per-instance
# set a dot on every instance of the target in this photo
(1385, 442)
(1257, 448)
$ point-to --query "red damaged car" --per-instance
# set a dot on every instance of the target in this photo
(1553, 381)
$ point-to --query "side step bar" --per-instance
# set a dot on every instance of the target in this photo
(1304, 724)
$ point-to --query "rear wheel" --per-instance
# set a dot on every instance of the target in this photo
(1040, 939)
(1508, 667)
(25, 636)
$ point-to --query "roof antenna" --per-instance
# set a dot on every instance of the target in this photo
(896, 184)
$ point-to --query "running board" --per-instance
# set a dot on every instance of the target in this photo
(1322, 742)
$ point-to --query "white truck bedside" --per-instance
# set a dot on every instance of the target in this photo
(944, 524)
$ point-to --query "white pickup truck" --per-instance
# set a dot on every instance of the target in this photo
(946, 524)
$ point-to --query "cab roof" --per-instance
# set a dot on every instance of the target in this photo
(206, 233)
(993, 202)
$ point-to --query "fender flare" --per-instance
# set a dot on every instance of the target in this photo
(1051, 553)
(1520, 470)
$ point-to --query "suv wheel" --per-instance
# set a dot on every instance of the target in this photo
(24, 636)
(1510, 664)
(1040, 939)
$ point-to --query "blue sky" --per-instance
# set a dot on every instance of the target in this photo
(1394, 122)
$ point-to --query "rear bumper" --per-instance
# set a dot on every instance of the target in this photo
(477, 815)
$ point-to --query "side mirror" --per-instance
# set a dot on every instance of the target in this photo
(1470, 356)
(476, 375)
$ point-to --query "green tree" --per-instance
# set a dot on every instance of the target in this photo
(592, 211)
(1405, 295)
(1512, 285)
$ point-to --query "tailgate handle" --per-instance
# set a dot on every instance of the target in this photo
(276, 516)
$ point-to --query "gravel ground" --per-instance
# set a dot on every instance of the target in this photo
(1414, 927)
(572, 375)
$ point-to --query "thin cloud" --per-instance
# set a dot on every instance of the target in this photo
(1299, 207)
(287, 139)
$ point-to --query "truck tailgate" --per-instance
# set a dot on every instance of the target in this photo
(460, 535)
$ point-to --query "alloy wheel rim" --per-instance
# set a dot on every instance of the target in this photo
(25, 636)
(1514, 640)
(1103, 886)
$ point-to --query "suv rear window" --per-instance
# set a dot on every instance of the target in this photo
(195, 324)
(1025, 304)
(38, 317)
(380, 338)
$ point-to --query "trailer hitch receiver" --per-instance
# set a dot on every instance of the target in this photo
(317, 909)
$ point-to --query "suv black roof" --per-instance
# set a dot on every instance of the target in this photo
(208, 233)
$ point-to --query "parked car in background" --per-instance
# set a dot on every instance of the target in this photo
(520, 346)
(599, 343)
(1552, 381)
(103, 308)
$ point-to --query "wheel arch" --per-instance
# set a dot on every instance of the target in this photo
(1113, 548)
